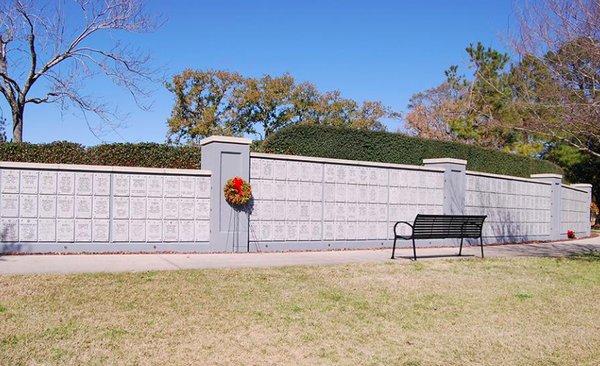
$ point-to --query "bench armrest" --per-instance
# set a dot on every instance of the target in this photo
(402, 222)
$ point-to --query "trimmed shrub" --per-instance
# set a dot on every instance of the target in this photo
(352, 144)
(151, 155)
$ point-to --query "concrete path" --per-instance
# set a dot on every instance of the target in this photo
(32, 264)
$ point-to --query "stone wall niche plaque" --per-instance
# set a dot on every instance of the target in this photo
(66, 182)
(47, 182)
(170, 230)
(121, 207)
(83, 207)
(10, 181)
(100, 207)
(202, 231)
(137, 230)
(186, 230)
(120, 230)
(27, 230)
(46, 230)
(10, 205)
(83, 183)
(100, 230)
(171, 187)
(47, 206)
(29, 181)
(65, 230)
(9, 230)
(121, 184)
(154, 208)
(187, 186)
(170, 209)
(28, 205)
(138, 185)
(154, 230)
(101, 184)
(83, 230)
(138, 207)
(64, 206)
(155, 186)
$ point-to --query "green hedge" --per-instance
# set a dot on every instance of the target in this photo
(344, 143)
(150, 155)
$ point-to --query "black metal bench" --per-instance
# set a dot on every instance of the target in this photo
(442, 227)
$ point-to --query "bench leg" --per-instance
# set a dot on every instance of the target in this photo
(414, 249)
(394, 247)
(460, 250)
(481, 244)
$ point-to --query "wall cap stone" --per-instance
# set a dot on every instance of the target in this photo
(507, 177)
(225, 139)
(102, 168)
(582, 185)
(313, 159)
(546, 175)
(445, 161)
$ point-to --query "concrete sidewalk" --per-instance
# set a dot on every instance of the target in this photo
(32, 264)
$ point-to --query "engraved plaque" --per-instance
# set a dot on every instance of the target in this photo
(155, 186)
(138, 185)
(202, 209)
(186, 230)
(315, 231)
(279, 169)
(170, 230)
(100, 207)
(64, 206)
(83, 184)
(101, 184)
(47, 206)
(29, 181)
(202, 187)
(10, 181)
(47, 182)
(10, 205)
(304, 231)
(154, 208)
(9, 230)
(65, 230)
(202, 231)
(137, 230)
(266, 231)
(267, 169)
(28, 205)
(66, 183)
(100, 230)
(121, 184)
(83, 207)
(170, 209)
(28, 230)
(171, 187)
(121, 207)
(292, 231)
(120, 230)
(83, 230)
(138, 207)
(186, 208)
(187, 186)
(154, 230)
(46, 230)
(279, 230)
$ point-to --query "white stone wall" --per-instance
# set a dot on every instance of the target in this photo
(575, 210)
(299, 199)
(47, 203)
(517, 208)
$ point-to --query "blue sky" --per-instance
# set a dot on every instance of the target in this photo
(375, 50)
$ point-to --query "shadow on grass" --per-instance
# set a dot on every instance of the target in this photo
(588, 255)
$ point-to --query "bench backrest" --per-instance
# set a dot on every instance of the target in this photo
(447, 226)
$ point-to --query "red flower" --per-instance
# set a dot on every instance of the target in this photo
(237, 184)
(570, 234)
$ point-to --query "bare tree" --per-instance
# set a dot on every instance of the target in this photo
(559, 41)
(58, 45)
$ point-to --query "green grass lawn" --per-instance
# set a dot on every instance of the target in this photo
(447, 312)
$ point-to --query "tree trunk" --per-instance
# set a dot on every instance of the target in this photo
(17, 116)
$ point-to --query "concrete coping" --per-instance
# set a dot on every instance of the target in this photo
(582, 185)
(373, 164)
(226, 140)
(575, 187)
(445, 161)
(102, 168)
(546, 175)
(506, 177)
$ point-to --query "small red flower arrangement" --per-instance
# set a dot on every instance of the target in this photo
(237, 191)
(570, 234)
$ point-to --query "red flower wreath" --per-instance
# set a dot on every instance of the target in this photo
(237, 191)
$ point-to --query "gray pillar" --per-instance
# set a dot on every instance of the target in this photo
(455, 183)
(588, 188)
(226, 157)
(555, 202)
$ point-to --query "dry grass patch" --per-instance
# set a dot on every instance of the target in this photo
(517, 312)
